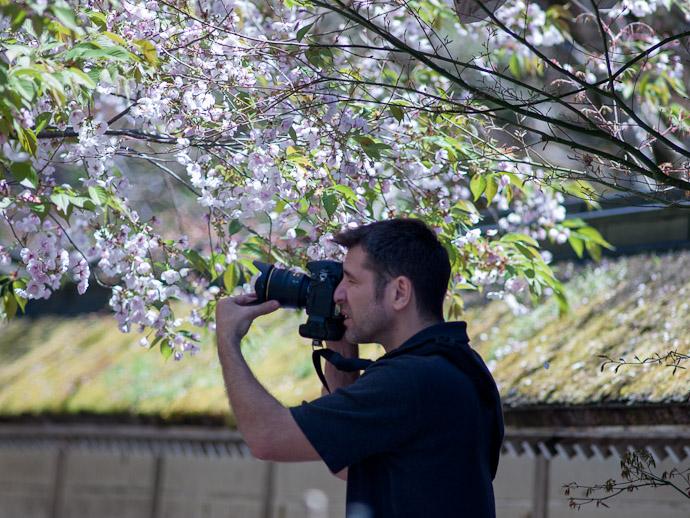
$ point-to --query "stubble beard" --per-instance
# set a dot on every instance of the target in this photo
(369, 326)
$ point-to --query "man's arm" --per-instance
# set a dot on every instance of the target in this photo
(268, 427)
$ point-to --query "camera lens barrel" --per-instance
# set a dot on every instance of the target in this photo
(299, 291)
(287, 287)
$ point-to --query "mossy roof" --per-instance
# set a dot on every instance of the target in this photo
(84, 365)
(631, 308)
(623, 308)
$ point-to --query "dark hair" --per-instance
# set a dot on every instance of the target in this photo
(405, 246)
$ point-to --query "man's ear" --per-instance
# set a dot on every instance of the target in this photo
(402, 291)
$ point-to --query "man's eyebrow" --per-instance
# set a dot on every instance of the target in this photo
(347, 273)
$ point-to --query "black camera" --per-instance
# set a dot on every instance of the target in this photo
(299, 291)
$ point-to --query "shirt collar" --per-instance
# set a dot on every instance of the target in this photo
(443, 332)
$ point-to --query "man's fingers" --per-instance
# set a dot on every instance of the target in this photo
(234, 317)
(265, 308)
(243, 300)
(257, 310)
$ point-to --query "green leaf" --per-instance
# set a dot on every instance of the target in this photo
(249, 265)
(99, 19)
(54, 81)
(346, 191)
(99, 195)
(21, 302)
(25, 174)
(563, 306)
(515, 237)
(66, 18)
(8, 306)
(574, 223)
(397, 111)
(38, 24)
(371, 147)
(594, 236)
(28, 140)
(115, 37)
(82, 202)
(155, 342)
(330, 203)
(491, 188)
(234, 227)
(577, 245)
(166, 351)
(40, 209)
(149, 51)
(478, 185)
(95, 74)
(514, 65)
(197, 261)
(18, 19)
(115, 53)
(516, 181)
(61, 201)
(19, 285)
(43, 120)
(12, 51)
(303, 31)
(594, 250)
(529, 252)
(81, 78)
(231, 277)
(25, 71)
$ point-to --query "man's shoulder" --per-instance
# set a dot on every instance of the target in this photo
(426, 365)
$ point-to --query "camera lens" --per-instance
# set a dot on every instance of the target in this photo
(287, 287)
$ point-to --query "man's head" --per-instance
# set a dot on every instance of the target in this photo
(409, 248)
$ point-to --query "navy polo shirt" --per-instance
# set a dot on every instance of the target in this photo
(418, 439)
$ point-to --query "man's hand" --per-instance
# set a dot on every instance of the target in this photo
(345, 348)
(234, 317)
(334, 377)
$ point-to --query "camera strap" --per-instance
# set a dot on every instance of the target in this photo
(338, 361)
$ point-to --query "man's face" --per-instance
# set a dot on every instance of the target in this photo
(366, 317)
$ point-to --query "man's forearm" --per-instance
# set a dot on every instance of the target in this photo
(268, 427)
(255, 409)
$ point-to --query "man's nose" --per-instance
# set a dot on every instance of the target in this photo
(339, 293)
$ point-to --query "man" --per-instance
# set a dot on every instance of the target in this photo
(418, 433)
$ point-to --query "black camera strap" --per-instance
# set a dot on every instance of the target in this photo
(338, 361)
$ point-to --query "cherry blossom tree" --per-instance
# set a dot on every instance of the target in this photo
(270, 125)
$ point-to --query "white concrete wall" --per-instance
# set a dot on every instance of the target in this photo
(109, 485)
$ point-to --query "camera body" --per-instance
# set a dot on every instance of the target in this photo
(312, 293)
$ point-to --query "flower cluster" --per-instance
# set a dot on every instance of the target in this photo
(231, 127)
